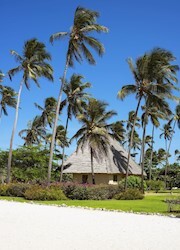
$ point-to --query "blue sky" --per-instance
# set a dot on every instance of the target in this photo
(134, 28)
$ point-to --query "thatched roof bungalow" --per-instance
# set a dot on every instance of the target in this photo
(108, 170)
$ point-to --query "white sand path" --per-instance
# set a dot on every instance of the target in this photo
(37, 227)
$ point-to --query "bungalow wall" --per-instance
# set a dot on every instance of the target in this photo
(99, 178)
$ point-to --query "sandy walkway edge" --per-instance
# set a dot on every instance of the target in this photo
(95, 209)
(24, 226)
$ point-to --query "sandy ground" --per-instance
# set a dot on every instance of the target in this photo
(37, 227)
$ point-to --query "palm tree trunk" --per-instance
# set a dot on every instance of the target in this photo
(151, 156)
(92, 168)
(13, 133)
(56, 121)
(63, 151)
(142, 155)
(166, 164)
(131, 141)
(167, 153)
(172, 136)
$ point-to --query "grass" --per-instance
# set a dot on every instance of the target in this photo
(152, 203)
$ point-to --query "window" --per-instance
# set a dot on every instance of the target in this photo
(84, 178)
(115, 177)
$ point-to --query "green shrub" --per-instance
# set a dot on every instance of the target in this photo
(101, 192)
(68, 188)
(14, 189)
(97, 193)
(90, 192)
(155, 185)
(133, 182)
(3, 190)
(129, 194)
(44, 193)
(79, 193)
(17, 189)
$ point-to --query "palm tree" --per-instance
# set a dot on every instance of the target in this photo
(61, 138)
(95, 131)
(154, 114)
(118, 131)
(75, 100)
(33, 65)
(176, 119)
(129, 125)
(8, 98)
(153, 74)
(84, 23)
(62, 141)
(48, 111)
(34, 133)
(160, 104)
(177, 153)
(167, 133)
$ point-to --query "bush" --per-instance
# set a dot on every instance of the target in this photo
(103, 192)
(90, 192)
(75, 191)
(79, 193)
(43, 193)
(17, 189)
(3, 190)
(133, 182)
(68, 188)
(129, 194)
(155, 185)
(14, 189)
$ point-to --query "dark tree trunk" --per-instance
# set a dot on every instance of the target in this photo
(13, 133)
(166, 167)
(56, 121)
(63, 151)
(142, 154)
(151, 157)
(92, 168)
(131, 141)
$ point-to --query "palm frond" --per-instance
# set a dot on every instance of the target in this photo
(57, 36)
(18, 58)
(95, 44)
(126, 90)
(94, 27)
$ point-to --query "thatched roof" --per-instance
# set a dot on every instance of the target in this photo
(114, 163)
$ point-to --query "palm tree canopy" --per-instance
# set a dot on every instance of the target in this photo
(61, 138)
(34, 133)
(76, 96)
(153, 74)
(95, 129)
(8, 98)
(48, 111)
(167, 131)
(155, 109)
(118, 131)
(79, 41)
(130, 121)
(32, 62)
(177, 115)
(136, 144)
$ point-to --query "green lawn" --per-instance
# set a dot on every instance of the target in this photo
(152, 203)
